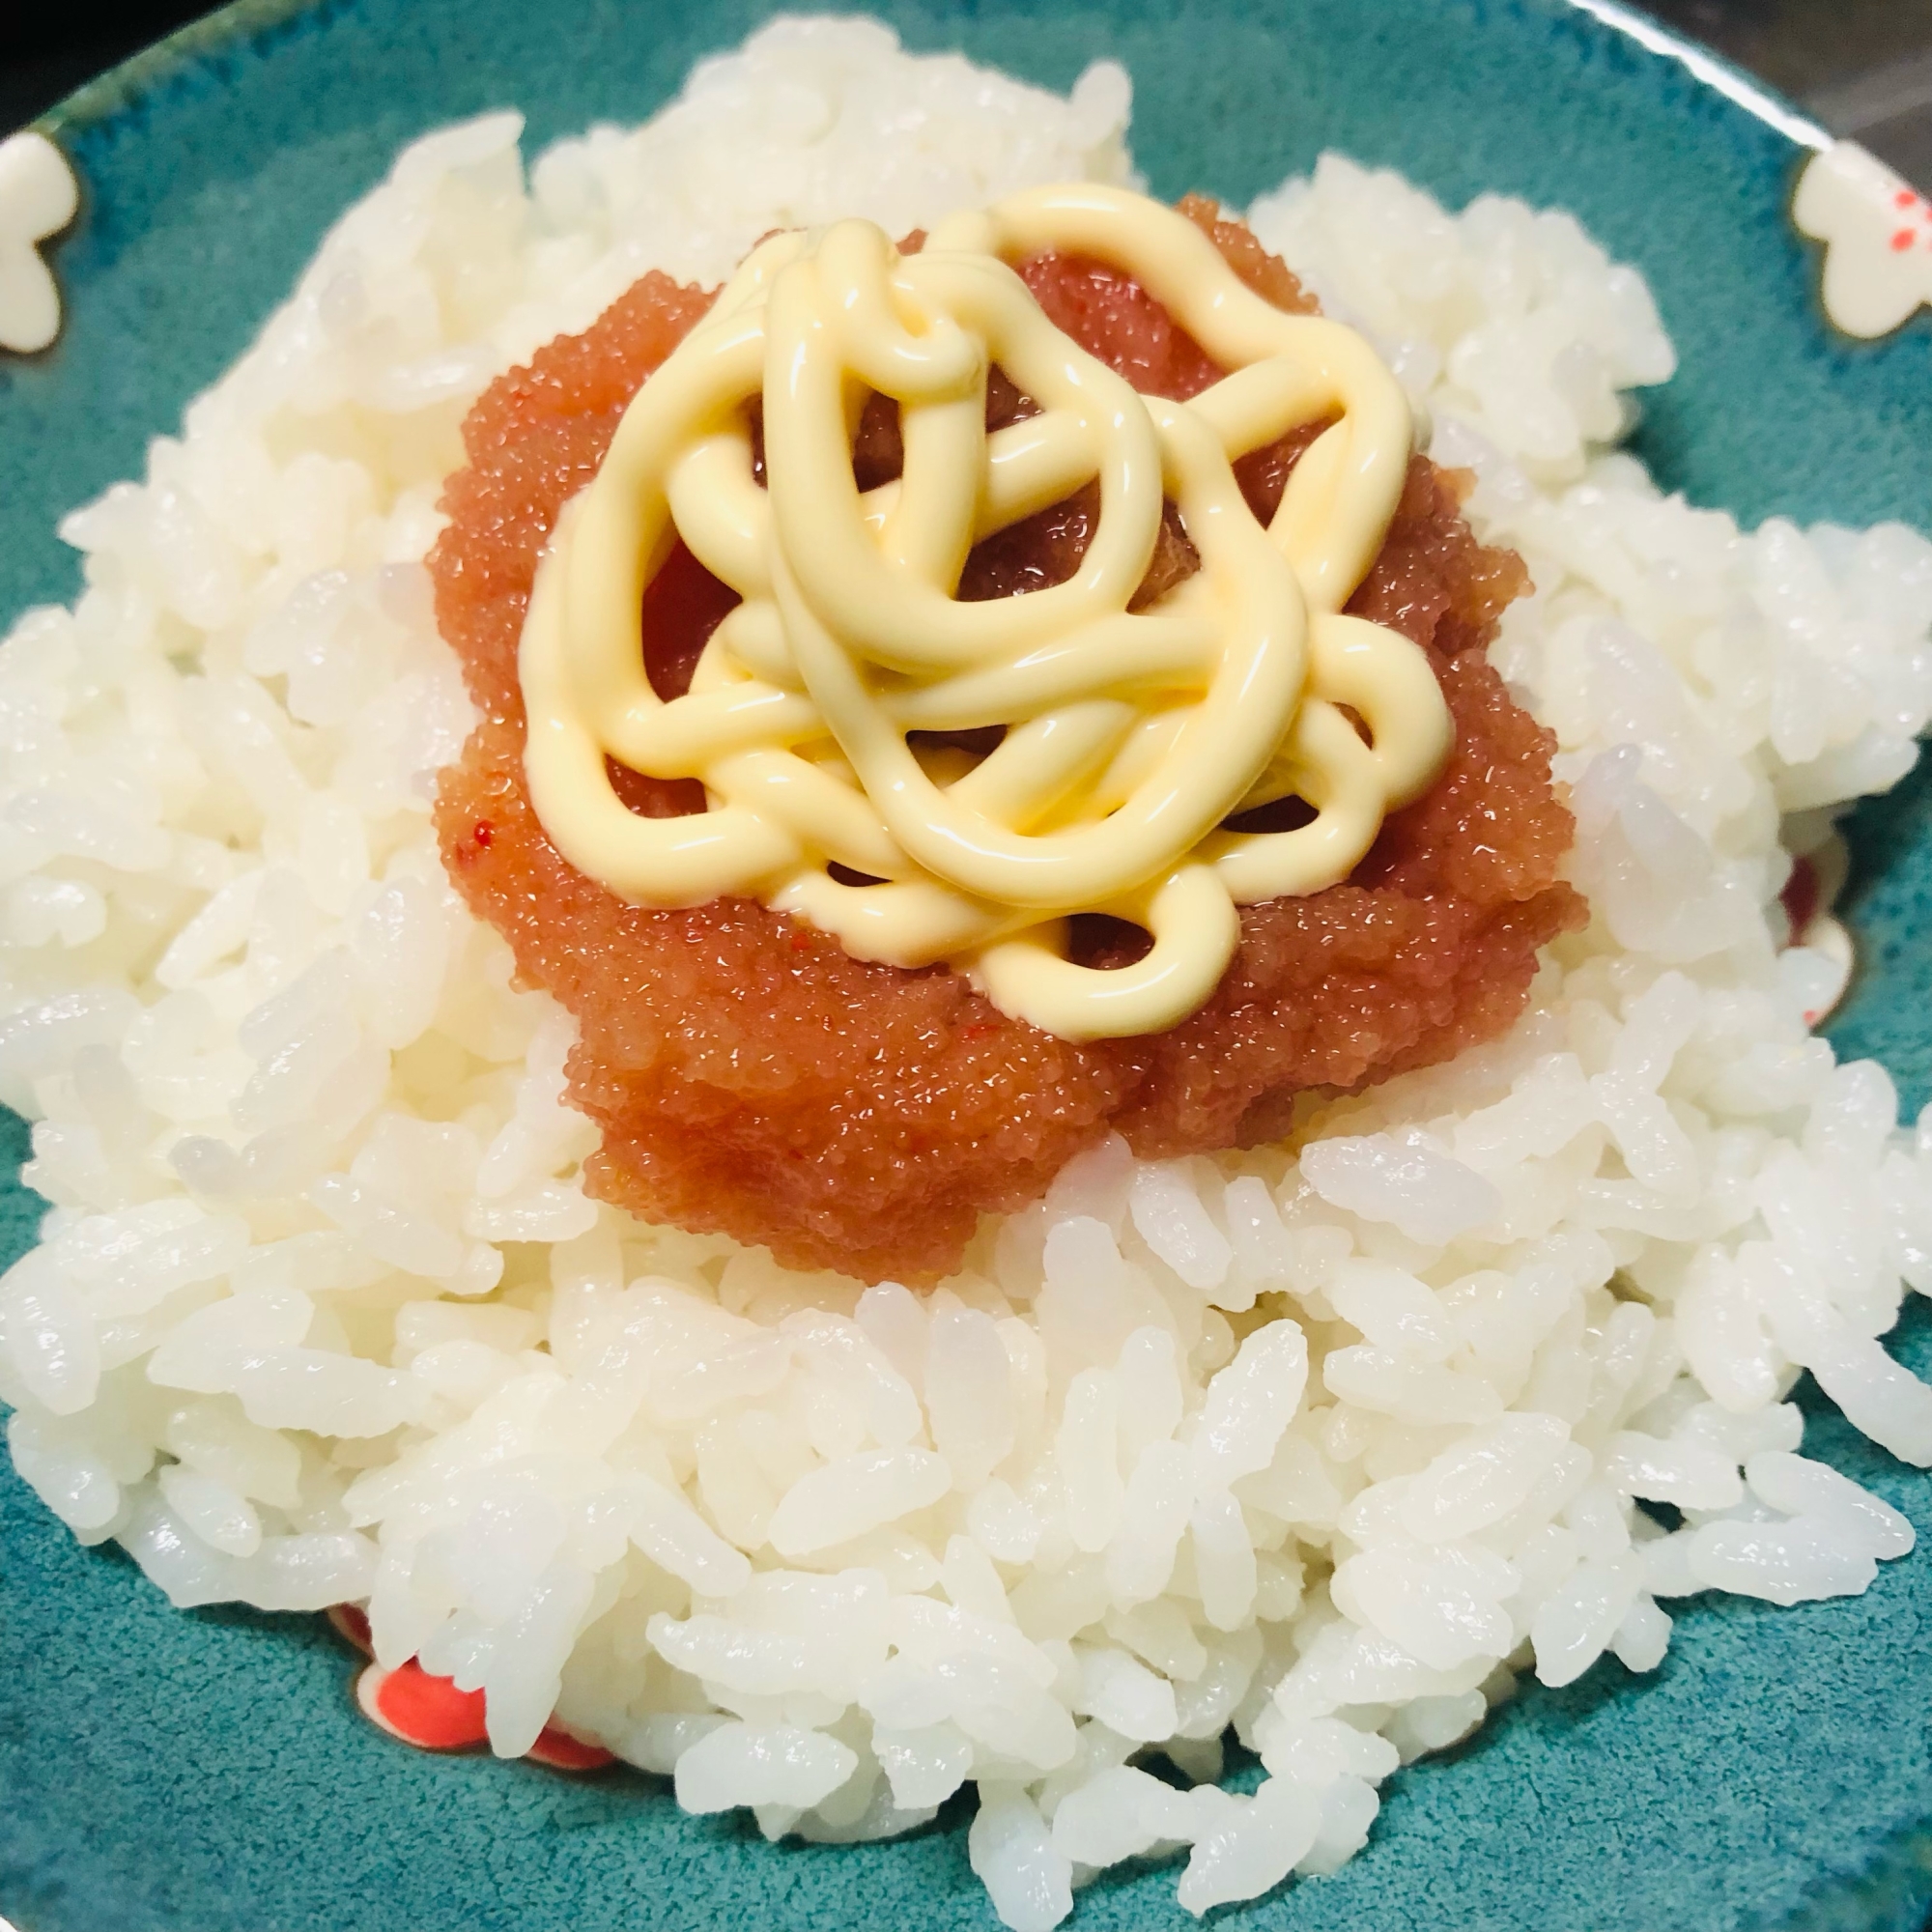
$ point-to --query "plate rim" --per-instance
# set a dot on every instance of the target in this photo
(117, 88)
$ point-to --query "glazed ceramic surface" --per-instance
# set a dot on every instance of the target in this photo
(162, 1772)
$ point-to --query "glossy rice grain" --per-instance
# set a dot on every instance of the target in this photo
(748, 1077)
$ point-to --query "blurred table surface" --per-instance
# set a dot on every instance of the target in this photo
(1860, 67)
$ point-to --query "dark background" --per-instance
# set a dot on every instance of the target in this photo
(1860, 67)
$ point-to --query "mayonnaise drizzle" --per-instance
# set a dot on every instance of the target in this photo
(1130, 735)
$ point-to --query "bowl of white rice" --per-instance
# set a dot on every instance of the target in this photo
(1492, 1506)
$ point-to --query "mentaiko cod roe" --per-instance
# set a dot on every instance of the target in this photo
(748, 1076)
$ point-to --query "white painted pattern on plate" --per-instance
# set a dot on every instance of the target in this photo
(1877, 232)
(38, 198)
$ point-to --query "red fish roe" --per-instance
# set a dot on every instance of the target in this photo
(748, 1077)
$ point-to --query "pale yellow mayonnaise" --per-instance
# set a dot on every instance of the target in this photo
(1130, 735)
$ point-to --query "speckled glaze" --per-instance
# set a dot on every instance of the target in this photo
(206, 1773)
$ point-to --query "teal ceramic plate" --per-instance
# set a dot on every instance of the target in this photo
(205, 1773)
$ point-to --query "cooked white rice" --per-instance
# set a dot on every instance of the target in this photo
(1329, 1450)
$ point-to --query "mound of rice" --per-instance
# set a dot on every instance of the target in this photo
(1327, 1449)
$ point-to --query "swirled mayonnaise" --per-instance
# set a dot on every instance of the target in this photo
(1130, 737)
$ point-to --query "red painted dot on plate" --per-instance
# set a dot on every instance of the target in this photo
(1904, 198)
(431, 1710)
(1902, 240)
(350, 1621)
(1800, 896)
(562, 1752)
